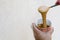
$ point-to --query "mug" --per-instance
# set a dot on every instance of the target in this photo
(40, 21)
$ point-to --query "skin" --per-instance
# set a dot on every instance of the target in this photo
(58, 2)
(44, 34)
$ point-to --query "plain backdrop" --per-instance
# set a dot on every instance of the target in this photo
(16, 17)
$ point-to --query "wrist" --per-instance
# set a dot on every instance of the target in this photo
(47, 39)
(44, 39)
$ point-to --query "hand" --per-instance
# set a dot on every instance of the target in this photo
(41, 34)
(58, 2)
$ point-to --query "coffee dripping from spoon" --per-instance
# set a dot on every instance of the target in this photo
(43, 10)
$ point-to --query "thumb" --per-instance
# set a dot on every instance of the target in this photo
(35, 29)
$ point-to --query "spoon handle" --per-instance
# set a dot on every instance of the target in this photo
(53, 6)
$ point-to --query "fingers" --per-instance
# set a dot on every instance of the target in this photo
(35, 29)
(44, 29)
(51, 30)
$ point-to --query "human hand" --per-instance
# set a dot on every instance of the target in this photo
(57, 2)
(41, 34)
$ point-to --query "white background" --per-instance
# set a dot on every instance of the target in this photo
(16, 17)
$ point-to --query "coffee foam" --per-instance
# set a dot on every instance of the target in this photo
(43, 8)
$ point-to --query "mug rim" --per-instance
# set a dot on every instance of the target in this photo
(39, 21)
